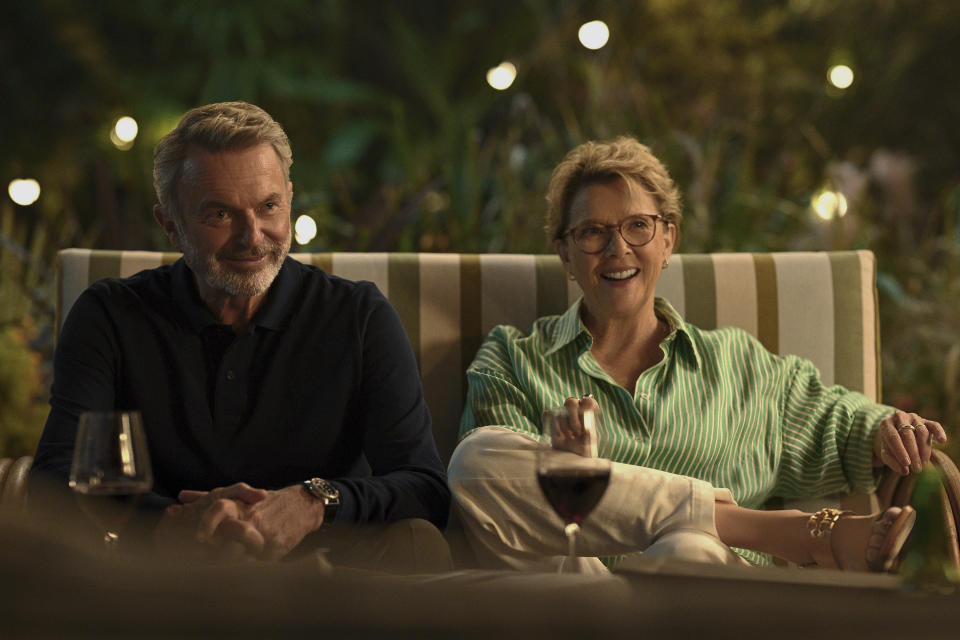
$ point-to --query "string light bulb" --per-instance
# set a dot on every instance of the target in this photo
(829, 205)
(305, 229)
(594, 34)
(124, 132)
(840, 76)
(24, 191)
(502, 76)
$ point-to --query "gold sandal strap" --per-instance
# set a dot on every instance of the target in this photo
(820, 525)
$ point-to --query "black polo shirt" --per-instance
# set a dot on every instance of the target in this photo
(322, 383)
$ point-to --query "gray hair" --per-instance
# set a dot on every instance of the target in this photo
(222, 126)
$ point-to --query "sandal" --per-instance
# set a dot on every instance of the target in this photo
(890, 527)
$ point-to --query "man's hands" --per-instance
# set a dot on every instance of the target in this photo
(239, 521)
(904, 440)
(211, 523)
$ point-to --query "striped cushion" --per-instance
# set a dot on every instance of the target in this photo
(821, 306)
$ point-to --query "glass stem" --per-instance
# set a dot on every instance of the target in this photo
(571, 531)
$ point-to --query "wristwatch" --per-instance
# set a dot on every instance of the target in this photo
(324, 490)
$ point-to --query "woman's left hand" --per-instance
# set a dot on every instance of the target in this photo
(904, 440)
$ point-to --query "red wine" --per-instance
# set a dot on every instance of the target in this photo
(573, 493)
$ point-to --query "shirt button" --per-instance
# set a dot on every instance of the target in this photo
(231, 375)
(644, 396)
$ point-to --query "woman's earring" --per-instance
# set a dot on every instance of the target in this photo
(666, 263)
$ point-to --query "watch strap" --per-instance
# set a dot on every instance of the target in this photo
(326, 491)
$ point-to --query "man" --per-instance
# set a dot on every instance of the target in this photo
(276, 398)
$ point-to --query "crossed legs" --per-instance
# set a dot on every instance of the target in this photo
(509, 524)
(506, 518)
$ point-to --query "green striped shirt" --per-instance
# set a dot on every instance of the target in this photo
(718, 407)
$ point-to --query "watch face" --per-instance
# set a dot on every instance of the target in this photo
(324, 489)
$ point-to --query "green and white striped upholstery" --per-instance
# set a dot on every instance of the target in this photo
(821, 306)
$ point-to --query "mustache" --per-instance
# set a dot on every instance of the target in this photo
(268, 247)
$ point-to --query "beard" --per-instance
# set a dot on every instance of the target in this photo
(242, 284)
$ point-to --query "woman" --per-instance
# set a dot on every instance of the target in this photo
(703, 426)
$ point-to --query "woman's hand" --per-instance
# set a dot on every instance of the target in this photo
(567, 431)
(904, 440)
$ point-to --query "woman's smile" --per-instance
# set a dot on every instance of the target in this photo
(619, 276)
(619, 280)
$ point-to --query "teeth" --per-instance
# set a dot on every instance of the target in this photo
(620, 275)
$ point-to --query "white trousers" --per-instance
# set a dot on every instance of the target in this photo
(509, 523)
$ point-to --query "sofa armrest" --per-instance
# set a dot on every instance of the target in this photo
(13, 482)
(897, 490)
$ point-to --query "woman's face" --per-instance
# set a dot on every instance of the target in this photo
(619, 281)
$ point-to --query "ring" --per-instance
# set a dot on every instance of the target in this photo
(906, 426)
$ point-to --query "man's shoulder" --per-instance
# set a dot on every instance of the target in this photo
(315, 281)
(122, 302)
(152, 283)
(316, 296)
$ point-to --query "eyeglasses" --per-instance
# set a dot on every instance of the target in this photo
(636, 231)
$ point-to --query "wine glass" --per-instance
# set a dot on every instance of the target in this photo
(111, 465)
(573, 484)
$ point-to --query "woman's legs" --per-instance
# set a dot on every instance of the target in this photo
(508, 522)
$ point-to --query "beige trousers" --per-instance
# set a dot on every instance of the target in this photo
(509, 523)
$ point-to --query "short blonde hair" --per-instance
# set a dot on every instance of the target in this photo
(592, 162)
(222, 126)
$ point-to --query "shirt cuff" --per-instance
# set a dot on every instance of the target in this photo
(858, 460)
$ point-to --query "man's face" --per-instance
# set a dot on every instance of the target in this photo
(235, 226)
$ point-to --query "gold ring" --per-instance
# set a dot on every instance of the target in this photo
(909, 427)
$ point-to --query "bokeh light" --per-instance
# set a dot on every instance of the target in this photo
(840, 76)
(829, 205)
(304, 229)
(126, 128)
(24, 191)
(124, 132)
(502, 76)
(594, 34)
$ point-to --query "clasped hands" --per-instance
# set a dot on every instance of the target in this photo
(239, 522)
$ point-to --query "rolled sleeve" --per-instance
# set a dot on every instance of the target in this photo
(823, 426)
